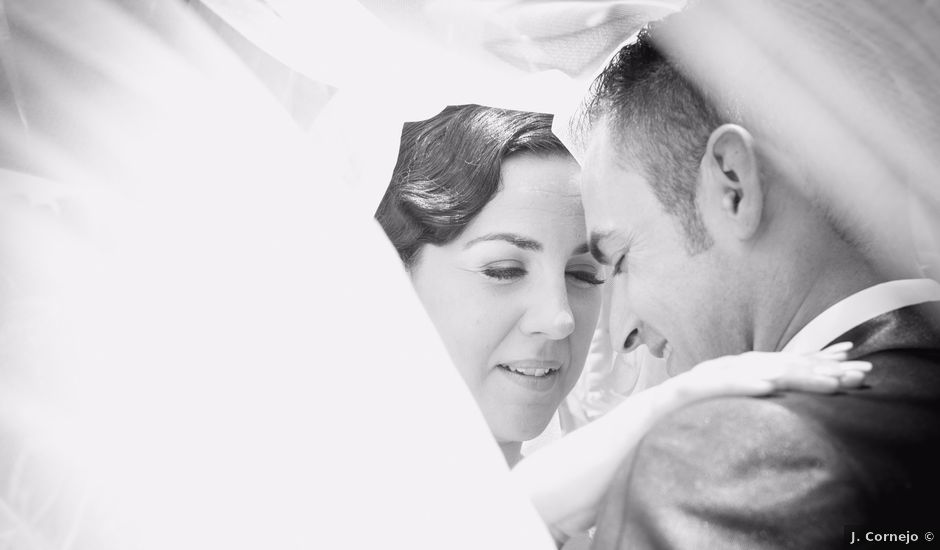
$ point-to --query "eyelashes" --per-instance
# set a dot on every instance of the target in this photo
(504, 273)
(586, 277)
(515, 273)
(618, 266)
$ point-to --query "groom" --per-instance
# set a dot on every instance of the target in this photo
(718, 248)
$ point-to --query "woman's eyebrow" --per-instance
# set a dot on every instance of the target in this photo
(511, 238)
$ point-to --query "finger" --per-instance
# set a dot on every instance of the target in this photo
(863, 366)
(852, 379)
(813, 383)
(797, 362)
(830, 356)
(836, 369)
(832, 369)
(839, 347)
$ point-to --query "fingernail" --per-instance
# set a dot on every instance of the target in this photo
(831, 355)
(841, 346)
(863, 366)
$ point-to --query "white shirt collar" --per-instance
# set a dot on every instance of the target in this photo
(860, 307)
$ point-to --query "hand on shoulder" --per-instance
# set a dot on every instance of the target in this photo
(762, 373)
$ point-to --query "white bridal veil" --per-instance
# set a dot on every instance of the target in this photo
(207, 342)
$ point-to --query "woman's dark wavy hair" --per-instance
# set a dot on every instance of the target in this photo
(448, 169)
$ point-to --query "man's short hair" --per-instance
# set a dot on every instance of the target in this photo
(660, 121)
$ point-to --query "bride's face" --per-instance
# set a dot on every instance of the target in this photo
(516, 297)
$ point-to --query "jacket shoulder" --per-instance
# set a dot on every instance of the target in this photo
(732, 473)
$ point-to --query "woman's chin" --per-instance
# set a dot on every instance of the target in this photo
(517, 430)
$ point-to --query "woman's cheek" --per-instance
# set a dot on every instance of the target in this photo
(586, 310)
(474, 329)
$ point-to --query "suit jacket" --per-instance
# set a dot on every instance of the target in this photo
(790, 471)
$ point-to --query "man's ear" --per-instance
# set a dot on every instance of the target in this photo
(731, 180)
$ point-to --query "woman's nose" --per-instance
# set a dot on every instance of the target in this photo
(549, 314)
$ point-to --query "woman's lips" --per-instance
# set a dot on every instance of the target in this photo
(532, 367)
(536, 375)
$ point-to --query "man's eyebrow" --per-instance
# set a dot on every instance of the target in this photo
(596, 251)
(511, 238)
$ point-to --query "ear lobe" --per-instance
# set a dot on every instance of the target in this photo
(733, 178)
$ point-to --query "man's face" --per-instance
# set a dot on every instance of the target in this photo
(680, 305)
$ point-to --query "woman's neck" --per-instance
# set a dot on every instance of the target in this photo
(512, 451)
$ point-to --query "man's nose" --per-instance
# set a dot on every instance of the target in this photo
(625, 327)
(632, 341)
(549, 313)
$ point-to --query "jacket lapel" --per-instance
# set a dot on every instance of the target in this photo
(912, 327)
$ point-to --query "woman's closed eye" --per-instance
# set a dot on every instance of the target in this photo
(584, 277)
(503, 273)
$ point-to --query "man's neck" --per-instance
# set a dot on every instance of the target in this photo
(817, 289)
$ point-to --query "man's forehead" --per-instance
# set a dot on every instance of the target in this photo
(614, 189)
(603, 165)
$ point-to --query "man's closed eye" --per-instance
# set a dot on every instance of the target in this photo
(619, 265)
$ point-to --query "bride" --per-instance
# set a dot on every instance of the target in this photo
(485, 213)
